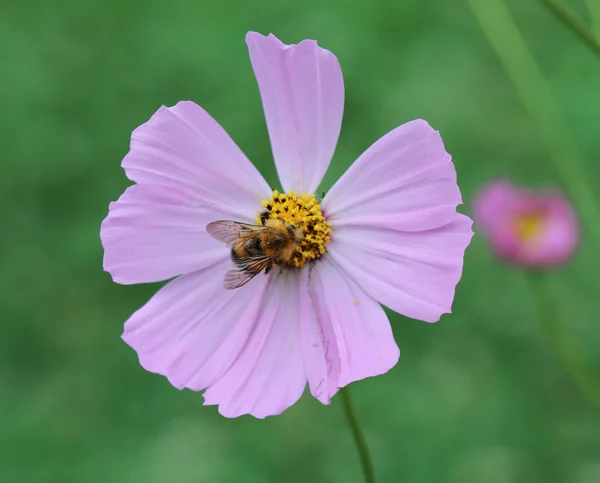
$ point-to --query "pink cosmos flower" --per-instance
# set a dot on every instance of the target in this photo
(387, 232)
(527, 228)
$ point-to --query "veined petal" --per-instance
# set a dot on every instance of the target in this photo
(183, 147)
(405, 180)
(193, 329)
(302, 91)
(268, 376)
(154, 233)
(349, 339)
(189, 173)
(414, 273)
(396, 231)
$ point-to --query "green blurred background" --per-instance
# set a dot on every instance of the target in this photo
(479, 397)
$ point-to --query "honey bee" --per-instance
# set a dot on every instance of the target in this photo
(255, 248)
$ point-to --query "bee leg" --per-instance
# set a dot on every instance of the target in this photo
(269, 267)
(264, 216)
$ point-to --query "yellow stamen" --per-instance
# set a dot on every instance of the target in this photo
(304, 211)
(529, 226)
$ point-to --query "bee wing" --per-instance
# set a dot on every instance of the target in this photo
(236, 276)
(229, 231)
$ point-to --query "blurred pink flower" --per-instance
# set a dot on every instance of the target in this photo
(396, 240)
(527, 228)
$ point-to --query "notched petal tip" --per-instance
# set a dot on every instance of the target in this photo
(108, 258)
(423, 124)
(319, 392)
(115, 276)
(302, 90)
(255, 38)
(229, 413)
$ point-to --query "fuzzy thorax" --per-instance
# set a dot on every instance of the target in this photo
(303, 211)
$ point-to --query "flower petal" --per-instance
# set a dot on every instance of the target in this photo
(189, 173)
(560, 237)
(268, 376)
(183, 147)
(351, 337)
(494, 202)
(493, 209)
(395, 227)
(193, 330)
(154, 233)
(405, 180)
(302, 91)
(413, 273)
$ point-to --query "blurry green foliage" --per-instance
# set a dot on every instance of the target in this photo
(478, 397)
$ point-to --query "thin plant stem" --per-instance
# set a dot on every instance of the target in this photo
(562, 339)
(564, 14)
(536, 95)
(359, 437)
(594, 9)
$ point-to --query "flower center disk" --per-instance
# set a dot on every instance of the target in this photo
(529, 226)
(303, 211)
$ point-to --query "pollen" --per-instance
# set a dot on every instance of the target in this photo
(303, 211)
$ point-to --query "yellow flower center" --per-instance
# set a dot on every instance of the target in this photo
(529, 226)
(303, 211)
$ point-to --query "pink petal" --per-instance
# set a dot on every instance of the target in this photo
(395, 227)
(193, 330)
(560, 237)
(154, 233)
(183, 147)
(495, 201)
(413, 273)
(351, 337)
(406, 180)
(189, 173)
(302, 91)
(268, 376)
(493, 209)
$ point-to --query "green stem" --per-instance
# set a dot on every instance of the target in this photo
(564, 343)
(594, 8)
(359, 438)
(536, 95)
(566, 16)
